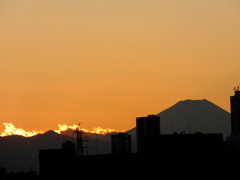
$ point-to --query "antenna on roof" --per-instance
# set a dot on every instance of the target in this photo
(171, 127)
(236, 88)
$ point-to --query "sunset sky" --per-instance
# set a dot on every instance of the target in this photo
(106, 62)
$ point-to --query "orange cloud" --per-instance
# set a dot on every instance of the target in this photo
(10, 129)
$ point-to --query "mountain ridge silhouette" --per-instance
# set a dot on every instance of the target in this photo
(18, 152)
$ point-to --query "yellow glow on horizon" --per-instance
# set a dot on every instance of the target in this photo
(10, 129)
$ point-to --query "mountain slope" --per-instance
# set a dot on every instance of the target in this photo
(195, 116)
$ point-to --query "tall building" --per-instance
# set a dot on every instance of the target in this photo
(121, 143)
(235, 111)
(149, 125)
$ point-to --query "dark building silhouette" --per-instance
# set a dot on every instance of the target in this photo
(235, 112)
(69, 146)
(121, 143)
(182, 147)
(175, 156)
(167, 156)
(29, 175)
(149, 125)
(55, 162)
(234, 138)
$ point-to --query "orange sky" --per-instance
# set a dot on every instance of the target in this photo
(106, 62)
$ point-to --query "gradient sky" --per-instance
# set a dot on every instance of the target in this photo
(106, 62)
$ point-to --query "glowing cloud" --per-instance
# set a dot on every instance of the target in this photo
(96, 130)
(10, 129)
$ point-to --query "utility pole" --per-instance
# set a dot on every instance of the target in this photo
(79, 134)
(97, 145)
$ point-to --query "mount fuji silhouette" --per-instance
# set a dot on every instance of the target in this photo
(192, 116)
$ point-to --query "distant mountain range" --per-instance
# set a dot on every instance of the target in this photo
(19, 153)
